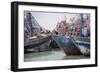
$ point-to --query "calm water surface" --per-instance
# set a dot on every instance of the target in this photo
(50, 55)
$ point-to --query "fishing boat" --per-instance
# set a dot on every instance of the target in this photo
(37, 43)
(36, 38)
(84, 47)
(70, 46)
(67, 45)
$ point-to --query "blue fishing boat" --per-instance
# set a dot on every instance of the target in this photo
(70, 46)
(84, 47)
(67, 45)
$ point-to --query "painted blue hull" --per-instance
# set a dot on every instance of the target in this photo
(70, 46)
(67, 44)
(84, 47)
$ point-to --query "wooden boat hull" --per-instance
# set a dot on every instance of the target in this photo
(84, 47)
(68, 45)
(37, 45)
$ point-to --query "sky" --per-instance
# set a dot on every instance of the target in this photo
(49, 20)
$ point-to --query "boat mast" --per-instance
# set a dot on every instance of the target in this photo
(81, 21)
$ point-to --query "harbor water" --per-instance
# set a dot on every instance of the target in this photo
(51, 55)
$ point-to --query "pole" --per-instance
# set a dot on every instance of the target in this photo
(81, 20)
